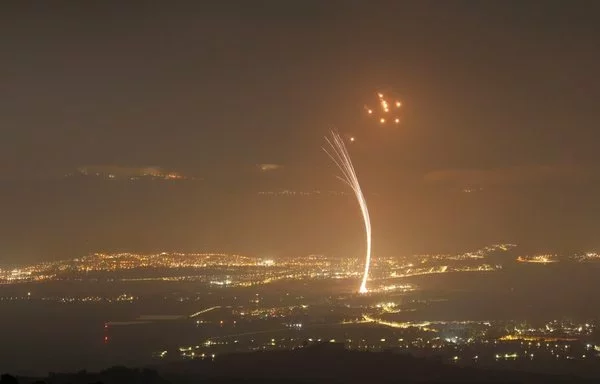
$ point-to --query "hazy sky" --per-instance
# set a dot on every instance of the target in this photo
(499, 95)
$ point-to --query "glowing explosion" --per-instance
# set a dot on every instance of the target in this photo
(385, 112)
(340, 156)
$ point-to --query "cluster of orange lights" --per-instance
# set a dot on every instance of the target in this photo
(386, 110)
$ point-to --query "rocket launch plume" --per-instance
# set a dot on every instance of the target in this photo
(340, 156)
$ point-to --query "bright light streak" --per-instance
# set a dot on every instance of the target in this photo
(340, 156)
(204, 311)
(394, 324)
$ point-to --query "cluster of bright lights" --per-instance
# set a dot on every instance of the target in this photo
(127, 173)
(385, 112)
(424, 325)
(393, 288)
(587, 256)
(540, 259)
(535, 338)
(292, 193)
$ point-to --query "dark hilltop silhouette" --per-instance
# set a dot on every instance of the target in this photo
(323, 363)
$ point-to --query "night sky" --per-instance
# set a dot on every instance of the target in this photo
(499, 98)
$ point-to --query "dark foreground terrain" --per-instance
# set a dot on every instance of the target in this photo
(325, 363)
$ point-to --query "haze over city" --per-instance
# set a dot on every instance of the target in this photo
(162, 170)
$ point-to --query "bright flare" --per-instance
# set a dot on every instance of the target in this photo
(340, 156)
(383, 111)
(384, 105)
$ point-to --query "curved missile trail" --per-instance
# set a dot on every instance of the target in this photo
(341, 158)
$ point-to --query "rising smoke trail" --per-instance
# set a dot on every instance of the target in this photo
(340, 156)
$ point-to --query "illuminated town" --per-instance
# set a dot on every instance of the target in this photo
(229, 303)
(300, 191)
(245, 271)
(126, 173)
